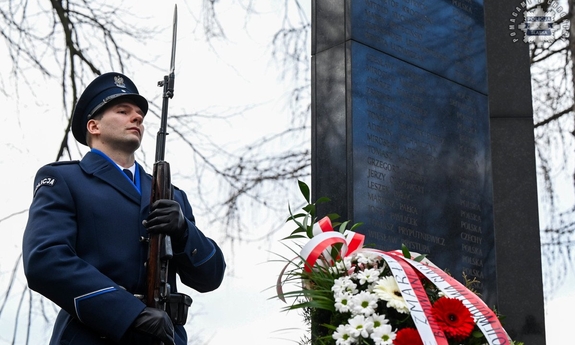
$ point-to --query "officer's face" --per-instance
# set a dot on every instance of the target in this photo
(120, 126)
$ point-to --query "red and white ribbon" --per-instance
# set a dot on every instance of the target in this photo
(416, 299)
(318, 251)
(324, 239)
(318, 247)
(485, 318)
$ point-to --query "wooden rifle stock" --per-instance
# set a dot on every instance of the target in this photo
(160, 246)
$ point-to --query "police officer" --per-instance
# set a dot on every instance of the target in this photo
(83, 246)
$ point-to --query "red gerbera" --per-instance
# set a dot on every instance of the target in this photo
(453, 318)
(407, 336)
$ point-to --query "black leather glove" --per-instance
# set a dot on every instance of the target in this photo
(166, 217)
(156, 323)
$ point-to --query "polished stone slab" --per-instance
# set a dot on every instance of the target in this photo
(418, 158)
(421, 163)
(444, 37)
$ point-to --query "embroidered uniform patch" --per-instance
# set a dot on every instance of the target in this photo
(46, 181)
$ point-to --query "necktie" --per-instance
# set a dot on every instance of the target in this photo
(129, 174)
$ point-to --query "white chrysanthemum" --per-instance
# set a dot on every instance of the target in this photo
(342, 335)
(367, 258)
(368, 275)
(343, 302)
(347, 261)
(344, 284)
(383, 335)
(364, 303)
(387, 289)
(379, 320)
(341, 266)
(360, 326)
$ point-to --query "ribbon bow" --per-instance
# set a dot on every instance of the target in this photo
(324, 237)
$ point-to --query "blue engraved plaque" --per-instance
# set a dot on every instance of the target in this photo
(444, 37)
(421, 163)
(401, 128)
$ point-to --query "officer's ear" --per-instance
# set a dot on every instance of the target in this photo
(93, 127)
(93, 124)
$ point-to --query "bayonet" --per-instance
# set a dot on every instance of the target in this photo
(168, 84)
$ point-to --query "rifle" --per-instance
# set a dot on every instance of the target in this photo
(160, 246)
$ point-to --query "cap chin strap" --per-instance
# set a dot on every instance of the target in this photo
(101, 105)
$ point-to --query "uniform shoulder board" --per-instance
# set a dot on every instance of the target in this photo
(64, 163)
(49, 181)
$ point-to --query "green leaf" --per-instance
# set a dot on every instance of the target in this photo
(310, 210)
(343, 226)
(333, 216)
(322, 200)
(477, 334)
(354, 226)
(420, 257)
(300, 225)
(295, 216)
(309, 229)
(298, 230)
(405, 251)
(293, 237)
(304, 189)
(328, 326)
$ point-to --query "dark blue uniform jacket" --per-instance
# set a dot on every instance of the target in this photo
(82, 250)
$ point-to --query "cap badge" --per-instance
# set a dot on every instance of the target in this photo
(119, 81)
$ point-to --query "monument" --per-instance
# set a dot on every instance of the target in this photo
(415, 135)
